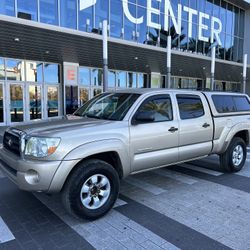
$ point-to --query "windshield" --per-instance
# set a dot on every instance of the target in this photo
(108, 106)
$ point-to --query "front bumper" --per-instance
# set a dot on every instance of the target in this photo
(28, 175)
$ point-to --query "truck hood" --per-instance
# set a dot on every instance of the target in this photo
(67, 123)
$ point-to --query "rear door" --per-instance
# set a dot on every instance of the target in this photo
(195, 126)
(154, 143)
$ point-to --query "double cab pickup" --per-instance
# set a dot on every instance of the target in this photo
(85, 155)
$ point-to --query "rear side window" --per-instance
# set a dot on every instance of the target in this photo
(230, 103)
(190, 106)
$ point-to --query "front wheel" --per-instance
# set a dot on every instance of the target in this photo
(233, 159)
(91, 190)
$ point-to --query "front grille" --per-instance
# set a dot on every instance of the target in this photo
(11, 142)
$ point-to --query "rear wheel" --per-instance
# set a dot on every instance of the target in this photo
(91, 190)
(234, 158)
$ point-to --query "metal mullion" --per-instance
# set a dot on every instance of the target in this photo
(77, 15)
(59, 12)
(38, 11)
(15, 8)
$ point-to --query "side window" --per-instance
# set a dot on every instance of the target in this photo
(241, 103)
(190, 106)
(230, 103)
(160, 106)
(224, 103)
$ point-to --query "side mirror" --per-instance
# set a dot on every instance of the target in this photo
(143, 117)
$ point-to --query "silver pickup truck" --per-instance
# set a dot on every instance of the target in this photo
(84, 156)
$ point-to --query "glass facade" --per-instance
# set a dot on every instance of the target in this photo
(29, 90)
(75, 14)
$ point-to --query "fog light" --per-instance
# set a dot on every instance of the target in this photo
(32, 177)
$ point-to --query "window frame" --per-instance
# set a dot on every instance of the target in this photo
(153, 97)
(189, 96)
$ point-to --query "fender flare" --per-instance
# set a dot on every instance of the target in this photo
(87, 150)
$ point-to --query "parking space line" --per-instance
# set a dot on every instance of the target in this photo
(5, 233)
(201, 169)
(144, 185)
(172, 231)
(176, 176)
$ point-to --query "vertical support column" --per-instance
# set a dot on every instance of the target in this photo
(105, 55)
(169, 62)
(244, 73)
(213, 68)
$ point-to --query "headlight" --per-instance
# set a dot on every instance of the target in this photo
(41, 147)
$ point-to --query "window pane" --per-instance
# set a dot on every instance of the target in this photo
(35, 102)
(121, 79)
(2, 71)
(84, 76)
(242, 103)
(131, 80)
(101, 12)
(71, 99)
(129, 27)
(7, 7)
(15, 70)
(116, 19)
(68, 14)
(161, 108)
(84, 96)
(27, 9)
(51, 73)
(85, 18)
(140, 80)
(224, 104)
(190, 106)
(49, 12)
(34, 72)
(111, 79)
(16, 103)
(52, 101)
(97, 77)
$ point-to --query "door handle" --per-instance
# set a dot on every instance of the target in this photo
(206, 125)
(173, 129)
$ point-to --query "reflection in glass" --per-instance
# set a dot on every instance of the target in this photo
(34, 72)
(71, 94)
(52, 103)
(121, 79)
(1, 104)
(27, 9)
(97, 92)
(131, 80)
(140, 80)
(84, 96)
(15, 70)
(101, 12)
(48, 12)
(2, 71)
(85, 19)
(129, 27)
(116, 19)
(111, 79)
(35, 102)
(16, 103)
(7, 7)
(51, 73)
(84, 76)
(68, 13)
(97, 77)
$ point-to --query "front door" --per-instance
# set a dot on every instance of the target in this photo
(154, 143)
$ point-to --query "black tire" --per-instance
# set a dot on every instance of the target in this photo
(226, 159)
(71, 193)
